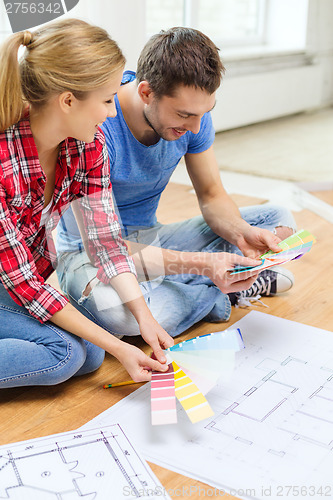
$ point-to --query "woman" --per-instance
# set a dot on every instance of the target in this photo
(52, 153)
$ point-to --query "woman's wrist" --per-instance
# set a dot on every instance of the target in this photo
(193, 263)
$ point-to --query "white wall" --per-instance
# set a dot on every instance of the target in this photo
(320, 44)
(258, 88)
(123, 19)
(270, 86)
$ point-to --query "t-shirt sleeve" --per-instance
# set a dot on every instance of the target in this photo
(204, 138)
(108, 133)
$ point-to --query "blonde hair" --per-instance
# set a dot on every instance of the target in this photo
(67, 55)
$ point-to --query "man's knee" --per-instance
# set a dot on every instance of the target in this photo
(270, 217)
(283, 232)
(284, 221)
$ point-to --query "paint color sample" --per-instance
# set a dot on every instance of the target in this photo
(163, 399)
(300, 238)
(190, 397)
(195, 365)
(292, 248)
(227, 339)
(206, 371)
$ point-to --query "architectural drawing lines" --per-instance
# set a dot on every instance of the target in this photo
(273, 422)
(86, 464)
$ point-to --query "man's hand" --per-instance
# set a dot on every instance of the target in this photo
(255, 241)
(137, 363)
(218, 266)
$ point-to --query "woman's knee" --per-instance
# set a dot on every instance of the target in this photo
(30, 364)
(94, 358)
(71, 354)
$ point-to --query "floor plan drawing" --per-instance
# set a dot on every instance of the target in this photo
(272, 426)
(285, 414)
(96, 464)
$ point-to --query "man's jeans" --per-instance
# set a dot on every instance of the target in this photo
(176, 301)
(32, 353)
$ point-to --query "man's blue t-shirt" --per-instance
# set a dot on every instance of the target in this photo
(138, 173)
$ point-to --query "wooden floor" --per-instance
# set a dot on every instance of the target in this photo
(39, 411)
(285, 148)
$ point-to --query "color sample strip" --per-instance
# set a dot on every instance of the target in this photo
(266, 264)
(300, 238)
(227, 339)
(292, 248)
(290, 253)
(205, 368)
(209, 366)
(201, 381)
(192, 400)
(163, 399)
(199, 363)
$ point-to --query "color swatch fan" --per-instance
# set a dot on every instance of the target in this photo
(292, 248)
(194, 368)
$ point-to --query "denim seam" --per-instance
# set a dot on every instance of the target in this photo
(39, 372)
(228, 309)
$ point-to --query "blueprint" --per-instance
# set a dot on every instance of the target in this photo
(96, 464)
(272, 432)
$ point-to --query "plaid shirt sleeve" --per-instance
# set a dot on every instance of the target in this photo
(18, 270)
(101, 227)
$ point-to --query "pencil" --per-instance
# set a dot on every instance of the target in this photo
(119, 384)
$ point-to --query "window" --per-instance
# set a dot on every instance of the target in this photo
(230, 22)
(163, 14)
(236, 26)
(227, 22)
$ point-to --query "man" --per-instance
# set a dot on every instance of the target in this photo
(163, 114)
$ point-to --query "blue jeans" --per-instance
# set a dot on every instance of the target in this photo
(176, 301)
(32, 353)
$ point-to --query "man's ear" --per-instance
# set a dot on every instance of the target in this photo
(145, 92)
(66, 101)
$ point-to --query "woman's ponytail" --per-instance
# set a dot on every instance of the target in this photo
(11, 95)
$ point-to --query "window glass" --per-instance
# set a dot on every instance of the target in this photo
(231, 21)
(163, 14)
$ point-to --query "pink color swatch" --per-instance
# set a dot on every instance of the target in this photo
(163, 399)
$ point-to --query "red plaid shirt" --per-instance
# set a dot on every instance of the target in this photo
(26, 248)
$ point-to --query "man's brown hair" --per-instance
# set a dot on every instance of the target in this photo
(180, 56)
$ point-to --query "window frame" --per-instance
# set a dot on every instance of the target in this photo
(190, 19)
(268, 43)
(258, 39)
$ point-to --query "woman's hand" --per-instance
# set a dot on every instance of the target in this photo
(137, 363)
(129, 291)
(155, 336)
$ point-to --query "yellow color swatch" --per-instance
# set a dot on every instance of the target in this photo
(190, 397)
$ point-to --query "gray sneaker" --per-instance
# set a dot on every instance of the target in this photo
(269, 282)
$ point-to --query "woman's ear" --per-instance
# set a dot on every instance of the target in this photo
(66, 101)
(145, 92)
